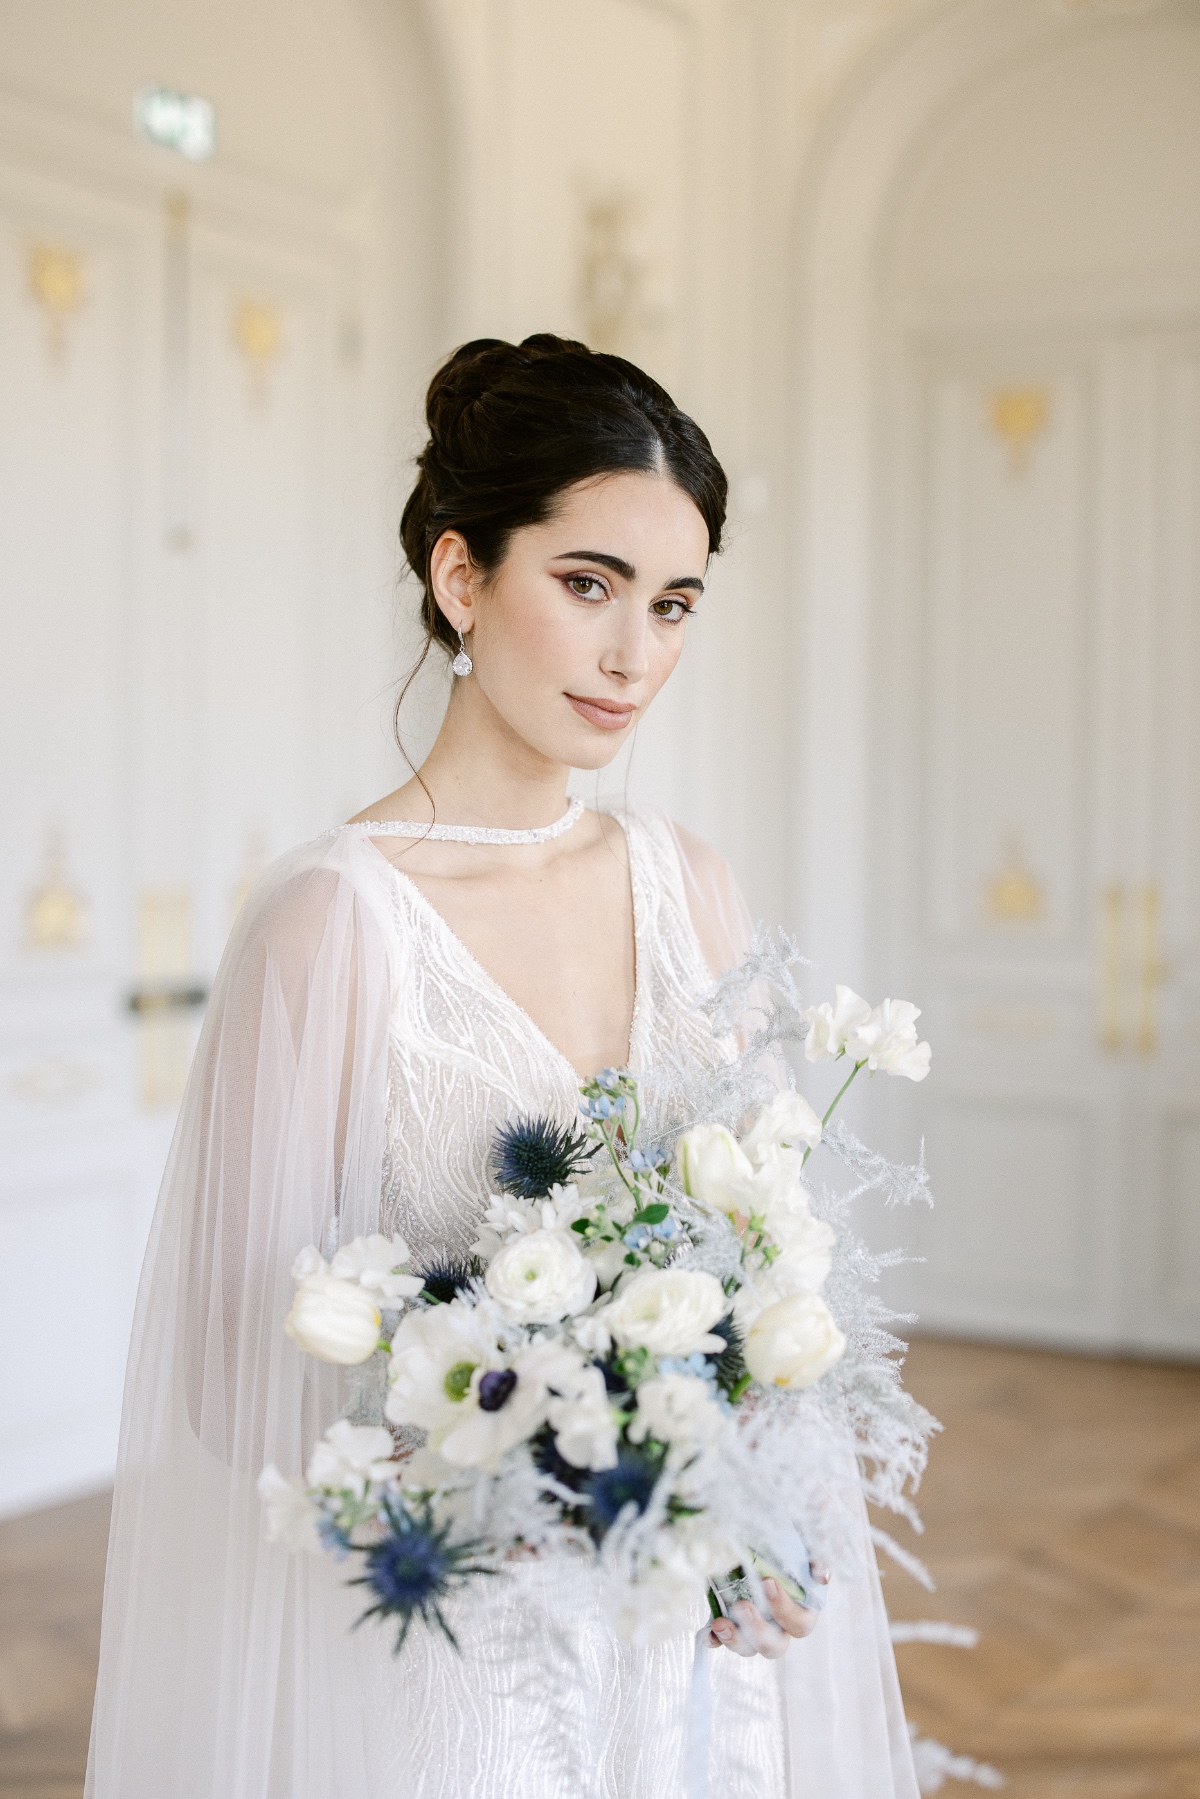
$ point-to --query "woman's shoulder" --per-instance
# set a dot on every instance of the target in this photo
(334, 886)
(701, 864)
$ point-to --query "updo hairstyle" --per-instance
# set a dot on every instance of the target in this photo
(513, 425)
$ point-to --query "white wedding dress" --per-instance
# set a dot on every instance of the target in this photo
(354, 1065)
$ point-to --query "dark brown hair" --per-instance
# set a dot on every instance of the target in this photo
(511, 426)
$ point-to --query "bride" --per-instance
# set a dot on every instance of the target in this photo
(465, 948)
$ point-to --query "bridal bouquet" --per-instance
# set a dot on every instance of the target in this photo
(638, 1362)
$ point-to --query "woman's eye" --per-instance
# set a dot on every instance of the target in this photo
(672, 610)
(587, 587)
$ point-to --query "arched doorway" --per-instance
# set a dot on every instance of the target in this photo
(1003, 385)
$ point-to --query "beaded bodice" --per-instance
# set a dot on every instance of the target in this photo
(465, 1058)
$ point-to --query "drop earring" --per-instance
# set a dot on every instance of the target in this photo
(462, 664)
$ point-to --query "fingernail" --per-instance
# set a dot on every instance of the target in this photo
(771, 1589)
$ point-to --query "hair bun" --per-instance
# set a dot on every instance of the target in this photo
(464, 379)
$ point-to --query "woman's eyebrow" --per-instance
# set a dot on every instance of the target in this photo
(625, 569)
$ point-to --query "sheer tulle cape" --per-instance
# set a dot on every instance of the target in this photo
(227, 1667)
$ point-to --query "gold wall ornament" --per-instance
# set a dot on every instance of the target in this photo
(57, 917)
(258, 337)
(618, 312)
(1110, 935)
(1153, 970)
(1018, 416)
(57, 281)
(1014, 896)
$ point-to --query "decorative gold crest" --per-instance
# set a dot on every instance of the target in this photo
(1018, 416)
(56, 917)
(57, 282)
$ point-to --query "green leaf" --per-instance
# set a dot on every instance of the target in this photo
(651, 1214)
(580, 1225)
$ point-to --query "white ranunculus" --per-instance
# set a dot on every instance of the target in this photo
(584, 1423)
(541, 1277)
(489, 1424)
(333, 1319)
(291, 1516)
(669, 1311)
(711, 1163)
(793, 1342)
(830, 1025)
(786, 1122)
(351, 1457)
(435, 1354)
(677, 1409)
(887, 1041)
(377, 1263)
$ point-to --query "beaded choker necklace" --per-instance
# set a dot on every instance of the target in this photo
(408, 827)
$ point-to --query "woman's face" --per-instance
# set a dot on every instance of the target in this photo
(576, 631)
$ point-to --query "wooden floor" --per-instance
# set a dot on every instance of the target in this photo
(1063, 1514)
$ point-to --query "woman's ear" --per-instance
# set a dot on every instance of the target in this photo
(452, 579)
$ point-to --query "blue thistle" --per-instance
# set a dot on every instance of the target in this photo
(415, 1569)
(632, 1481)
(445, 1279)
(531, 1155)
(730, 1364)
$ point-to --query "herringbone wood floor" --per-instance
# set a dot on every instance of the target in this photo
(1063, 1514)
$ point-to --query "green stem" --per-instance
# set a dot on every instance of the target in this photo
(836, 1101)
(610, 1145)
(714, 1605)
(735, 1392)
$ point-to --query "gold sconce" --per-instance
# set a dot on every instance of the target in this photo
(618, 312)
(56, 917)
(57, 282)
(1018, 416)
(258, 337)
(1014, 896)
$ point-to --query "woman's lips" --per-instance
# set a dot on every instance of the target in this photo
(608, 714)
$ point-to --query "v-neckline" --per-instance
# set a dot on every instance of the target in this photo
(441, 923)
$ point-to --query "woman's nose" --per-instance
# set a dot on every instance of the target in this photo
(626, 658)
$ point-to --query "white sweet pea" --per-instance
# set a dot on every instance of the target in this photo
(608, 1261)
(669, 1311)
(786, 1122)
(711, 1162)
(352, 1457)
(830, 1025)
(435, 1355)
(793, 1342)
(541, 1277)
(584, 1423)
(887, 1040)
(310, 1261)
(505, 1406)
(590, 1330)
(802, 1267)
(291, 1516)
(677, 1409)
(335, 1320)
(377, 1263)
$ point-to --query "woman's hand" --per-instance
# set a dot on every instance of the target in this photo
(747, 1632)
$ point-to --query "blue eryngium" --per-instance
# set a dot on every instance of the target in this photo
(531, 1155)
(631, 1482)
(415, 1569)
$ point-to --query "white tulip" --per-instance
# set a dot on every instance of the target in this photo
(435, 1355)
(352, 1457)
(793, 1342)
(830, 1025)
(541, 1277)
(669, 1311)
(677, 1409)
(786, 1122)
(584, 1423)
(377, 1264)
(334, 1320)
(711, 1163)
(887, 1040)
(291, 1516)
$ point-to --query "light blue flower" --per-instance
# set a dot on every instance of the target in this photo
(638, 1236)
